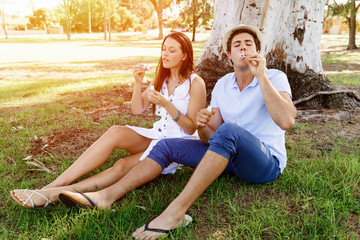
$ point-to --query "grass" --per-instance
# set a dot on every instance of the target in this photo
(340, 66)
(317, 196)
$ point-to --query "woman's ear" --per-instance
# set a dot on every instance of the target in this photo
(185, 56)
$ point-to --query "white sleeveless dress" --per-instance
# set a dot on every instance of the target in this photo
(165, 127)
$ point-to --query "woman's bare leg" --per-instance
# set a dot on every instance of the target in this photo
(96, 182)
(142, 173)
(115, 137)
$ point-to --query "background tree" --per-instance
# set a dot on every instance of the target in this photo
(109, 11)
(67, 6)
(347, 10)
(159, 6)
(89, 9)
(195, 13)
(2, 15)
(39, 19)
(105, 18)
(124, 19)
(143, 10)
(292, 32)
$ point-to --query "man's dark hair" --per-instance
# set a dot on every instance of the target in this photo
(236, 32)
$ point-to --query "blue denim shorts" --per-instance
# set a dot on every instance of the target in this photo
(248, 157)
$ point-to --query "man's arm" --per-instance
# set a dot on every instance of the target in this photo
(279, 104)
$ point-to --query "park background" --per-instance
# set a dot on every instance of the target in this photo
(57, 96)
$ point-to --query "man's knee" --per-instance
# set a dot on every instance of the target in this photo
(226, 138)
(227, 131)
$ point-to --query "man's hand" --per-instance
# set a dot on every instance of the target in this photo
(203, 117)
(257, 64)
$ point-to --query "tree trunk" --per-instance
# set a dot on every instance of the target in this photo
(159, 5)
(105, 20)
(68, 18)
(89, 16)
(352, 26)
(3, 23)
(160, 21)
(292, 32)
(194, 3)
(108, 6)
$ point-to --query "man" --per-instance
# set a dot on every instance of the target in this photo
(245, 131)
(242, 135)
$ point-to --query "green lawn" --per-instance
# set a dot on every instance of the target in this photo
(317, 196)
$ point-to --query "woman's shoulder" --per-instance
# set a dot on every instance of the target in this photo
(196, 78)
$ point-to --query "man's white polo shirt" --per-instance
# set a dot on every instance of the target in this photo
(247, 109)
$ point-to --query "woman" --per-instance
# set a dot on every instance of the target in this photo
(177, 94)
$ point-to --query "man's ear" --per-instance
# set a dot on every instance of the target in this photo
(229, 55)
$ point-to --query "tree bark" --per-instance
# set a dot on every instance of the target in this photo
(292, 33)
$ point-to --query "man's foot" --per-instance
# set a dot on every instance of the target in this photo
(31, 198)
(85, 200)
(161, 226)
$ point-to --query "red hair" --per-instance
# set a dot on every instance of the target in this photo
(187, 66)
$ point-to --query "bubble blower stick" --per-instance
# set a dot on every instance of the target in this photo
(242, 55)
(144, 67)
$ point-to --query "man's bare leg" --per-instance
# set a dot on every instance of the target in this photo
(142, 173)
(99, 181)
(209, 168)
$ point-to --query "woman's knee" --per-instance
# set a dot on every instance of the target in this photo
(118, 165)
(115, 130)
(115, 133)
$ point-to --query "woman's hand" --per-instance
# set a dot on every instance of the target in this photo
(157, 98)
(139, 72)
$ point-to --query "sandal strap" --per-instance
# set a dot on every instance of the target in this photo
(32, 192)
(146, 228)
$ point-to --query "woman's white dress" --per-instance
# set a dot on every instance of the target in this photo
(165, 127)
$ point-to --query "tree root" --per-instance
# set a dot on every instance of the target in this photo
(348, 92)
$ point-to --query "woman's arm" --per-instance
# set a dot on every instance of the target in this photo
(197, 101)
(139, 101)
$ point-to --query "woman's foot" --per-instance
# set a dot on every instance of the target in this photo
(90, 199)
(33, 198)
(161, 226)
(54, 184)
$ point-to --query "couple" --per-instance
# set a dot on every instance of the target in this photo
(243, 134)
